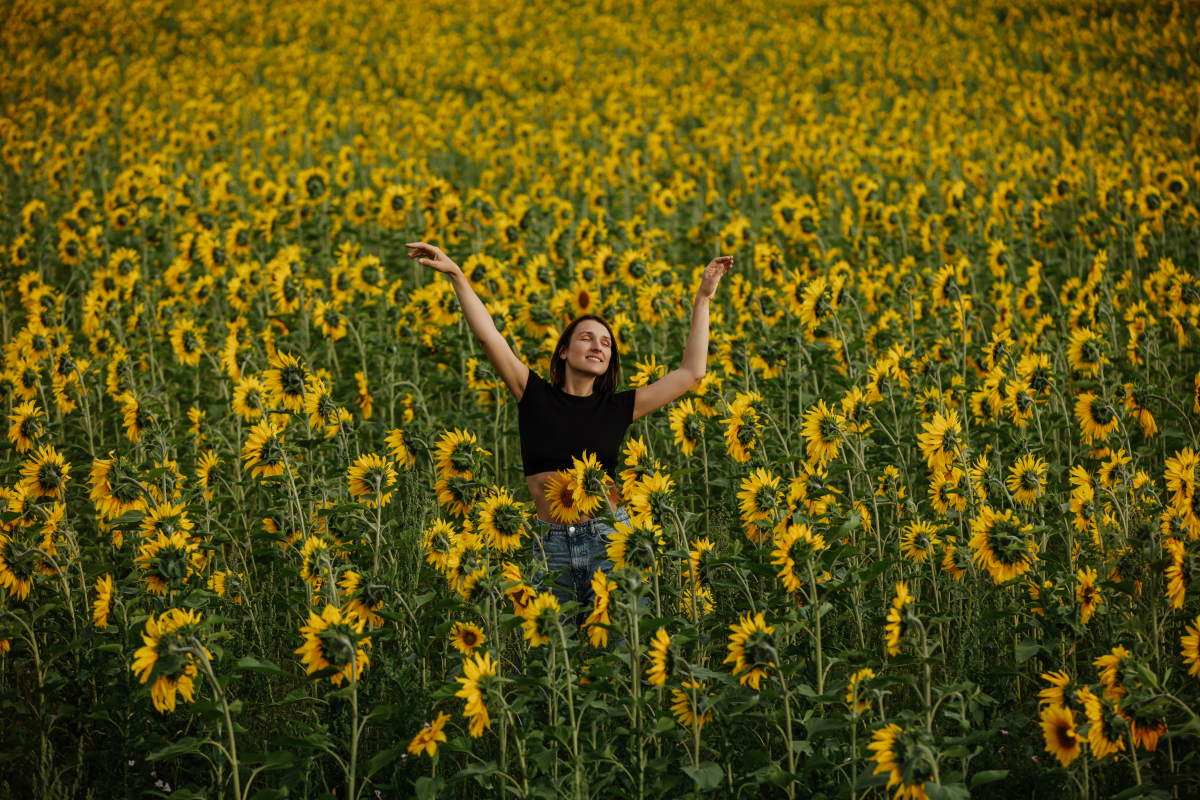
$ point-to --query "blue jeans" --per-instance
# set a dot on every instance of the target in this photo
(579, 549)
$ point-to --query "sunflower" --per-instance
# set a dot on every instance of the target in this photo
(248, 402)
(1113, 667)
(19, 565)
(368, 477)
(1087, 594)
(168, 561)
(688, 713)
(1063, 691)
(520, 593)
(599, 618)
(1085, 352)
(939, 442)
(946, 491)
(321, 409)
(854, 692)
(1002, 545)
(589, 483)
(822, 430)
(457, 493)
(741, 432)
(1062, 740)
(697, 568)
(457, 454)
(811, 485)
(637, 459)
(207, 473)
(647, 372)
(438, 543)
(187, 341)
(502, 521)
(652, 501)
(561, 497)
(687, 425)
(158, 657)
(400, 448)
(897, 618)
(166, 519)
(956, 559)
(760, 497)
(226, 585)
(1190, 642)
(665, 660)
(263, 452)
(329, 318)
(1113, 472)
(1026, 479)
(1106, 734)
(116, 487)
(316, 558)
(794, 547)
(426, 740)
(540, 619)
(919, 541)
(27, 425)
(363, 595)
(478, 682)
(751, 649)
(1097, 419)
(635, 546)
(905, 755)
(287, 382)
(1146, 726)
(103, 602)
(46, 473)
(466, 636)
(364, 400)
(334, 640)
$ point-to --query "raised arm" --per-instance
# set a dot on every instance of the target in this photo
(511, 369)
(676, 383)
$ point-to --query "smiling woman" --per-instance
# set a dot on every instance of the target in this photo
(578, 411)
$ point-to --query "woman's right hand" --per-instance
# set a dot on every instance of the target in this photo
(432, 256)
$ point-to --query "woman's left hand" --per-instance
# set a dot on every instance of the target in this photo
(712, 276)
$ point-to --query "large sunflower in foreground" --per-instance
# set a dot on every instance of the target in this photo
(334, 640)
(159, 657)
(752, 649)
(905, 755)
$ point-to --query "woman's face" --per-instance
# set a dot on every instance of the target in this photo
(590, 348)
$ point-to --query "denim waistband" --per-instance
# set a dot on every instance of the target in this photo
(564, 529)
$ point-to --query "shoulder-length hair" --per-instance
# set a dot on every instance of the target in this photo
(607, 382)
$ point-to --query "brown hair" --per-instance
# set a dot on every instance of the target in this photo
(607, 382)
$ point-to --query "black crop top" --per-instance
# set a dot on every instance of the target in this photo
(556, 427)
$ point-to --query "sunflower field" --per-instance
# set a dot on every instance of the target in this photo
(928, 528)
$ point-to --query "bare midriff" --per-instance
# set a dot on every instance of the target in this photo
(537, 490)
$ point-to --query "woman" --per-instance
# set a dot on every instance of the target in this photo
(578, 410)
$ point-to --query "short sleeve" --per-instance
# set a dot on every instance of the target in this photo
(624, 401)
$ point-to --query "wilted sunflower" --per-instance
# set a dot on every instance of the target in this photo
(159, 657)
(1003, 546)
(652, 500)
(906, 756)
(822, 430)
(635, 546)
(939, 442)
(752, 649)
(1027, 479)
(287, 382)
(502, 520)
(919, 541)
(1087, 594)
(466, 636)
(263, 452)
(334, 640)
(479, 682)
(426, 740)
(600, 617)
(760, 497)
(168, 561)
(688, 713)
(897, 618)
(45, 473)
(27, 425)
(687, 425)
(1058, 728)
(368, 477)
(793, 548)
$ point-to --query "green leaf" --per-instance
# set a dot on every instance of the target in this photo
(1027, 649)
(254, 665)
(188, 745)
(988, 776)
(383, 758)
(275, 760)
(817, 726)
(953, 791)
(428, 788)
(707, 776)
(1140, 790)
(380, 713)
